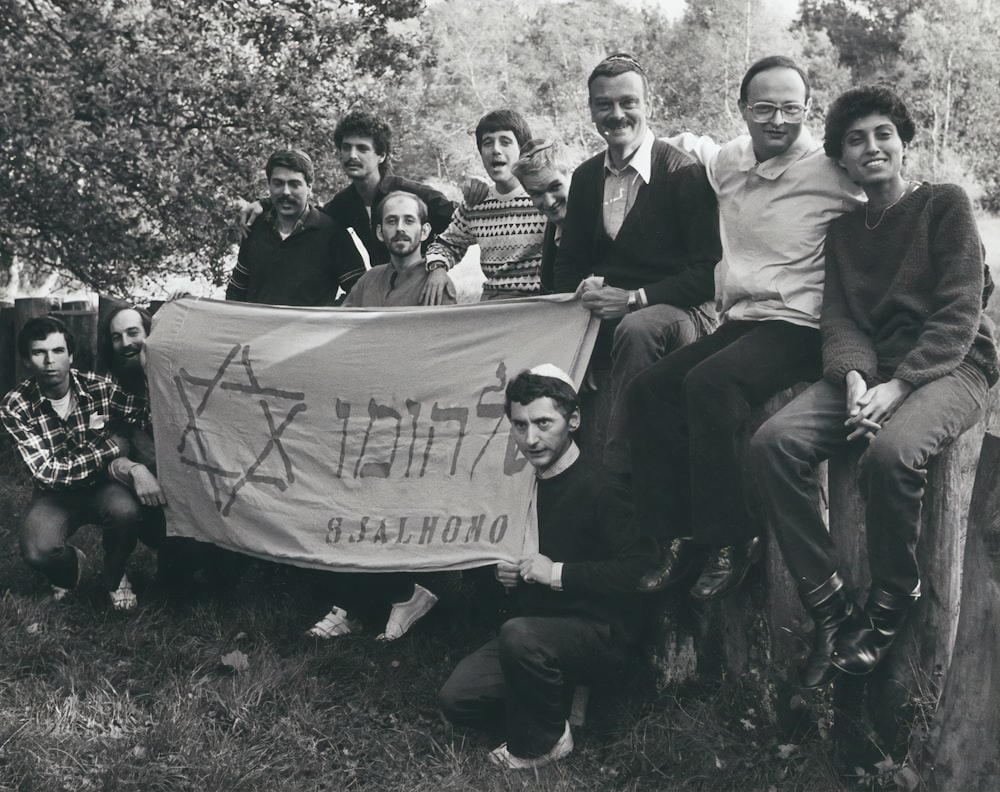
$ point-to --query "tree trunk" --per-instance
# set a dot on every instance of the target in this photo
(963, 750)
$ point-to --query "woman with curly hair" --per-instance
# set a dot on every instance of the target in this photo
(908, 358)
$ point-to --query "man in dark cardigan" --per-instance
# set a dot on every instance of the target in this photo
(578, 612)
(640, 241)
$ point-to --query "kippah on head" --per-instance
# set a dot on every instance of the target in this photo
(554, 372)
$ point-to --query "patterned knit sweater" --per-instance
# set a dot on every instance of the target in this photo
(905, 299)
(508, 230)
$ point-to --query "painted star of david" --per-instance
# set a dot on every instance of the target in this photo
(226, 484)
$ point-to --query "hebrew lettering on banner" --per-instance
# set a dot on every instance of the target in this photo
(352, 439)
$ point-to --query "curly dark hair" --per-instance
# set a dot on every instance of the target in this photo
(526, 387)
(859, 102)
(365, 124)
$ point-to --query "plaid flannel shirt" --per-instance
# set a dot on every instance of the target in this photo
(73, 452)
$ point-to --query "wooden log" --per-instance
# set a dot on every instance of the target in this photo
(8, 348)
(963, 749)
(906, 686)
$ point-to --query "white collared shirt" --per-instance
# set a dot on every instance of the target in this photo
(622, 184)
(773, 218)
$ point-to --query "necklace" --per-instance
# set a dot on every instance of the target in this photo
(906, 190)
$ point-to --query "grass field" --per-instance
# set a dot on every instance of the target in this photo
(210, 692)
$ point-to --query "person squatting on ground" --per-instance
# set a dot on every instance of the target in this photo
(401, 223)
(579, 610)
(908, 358)
(777, 195)
(68, 425)
(505, 224)
(364, 149)
(640, 241)
(122, 339)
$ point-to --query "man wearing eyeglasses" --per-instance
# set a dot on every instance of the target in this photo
(777, 195)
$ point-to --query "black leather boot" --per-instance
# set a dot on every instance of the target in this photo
(859, 651)
(831, 611)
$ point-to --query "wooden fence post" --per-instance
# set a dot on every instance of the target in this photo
(964, 749)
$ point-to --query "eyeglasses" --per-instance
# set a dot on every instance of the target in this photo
(791, 112)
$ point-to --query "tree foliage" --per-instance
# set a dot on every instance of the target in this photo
(129, 125)
(128, 128)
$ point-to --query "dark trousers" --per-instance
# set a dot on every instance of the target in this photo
(53, 516)
(525, 677)
(685, 413)
(892, 475)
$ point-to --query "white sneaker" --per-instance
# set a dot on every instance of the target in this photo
(563, 747)
(405, 614)
(123, 598)
(330, 626)
(58, 592)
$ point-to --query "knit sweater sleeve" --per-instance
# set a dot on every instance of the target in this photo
(956, 258)
(845, 346)
(452, 243)
(629, 551)
(697, 219)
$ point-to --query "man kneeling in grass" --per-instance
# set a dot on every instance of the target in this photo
(68, 425)
(579, 615)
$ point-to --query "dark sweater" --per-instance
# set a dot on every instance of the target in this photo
(905, 299)
(668, 243)
(304, 269)
(586, 523)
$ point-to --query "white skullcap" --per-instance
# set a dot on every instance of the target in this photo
(549, 370)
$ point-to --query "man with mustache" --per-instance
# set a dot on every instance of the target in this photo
(640, 240)
(364, 148)
(295, 255)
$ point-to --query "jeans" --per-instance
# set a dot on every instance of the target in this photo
(892, 474)
(640, 340)
(684, 416)
(55, 515)
(526, 676)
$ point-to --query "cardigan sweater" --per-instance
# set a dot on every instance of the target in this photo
(668, 244)
(586, 522)
(905, 299)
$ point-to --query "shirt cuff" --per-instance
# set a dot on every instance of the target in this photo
(641, 298)
(557, 569)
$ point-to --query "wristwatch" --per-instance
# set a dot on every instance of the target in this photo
(436, 264)
(633, 301)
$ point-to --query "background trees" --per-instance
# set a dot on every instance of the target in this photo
(129, 128)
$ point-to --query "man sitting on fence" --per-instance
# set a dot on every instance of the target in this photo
(68, 425)
(579, 615)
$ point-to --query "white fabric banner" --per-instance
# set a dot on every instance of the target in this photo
(353, 438)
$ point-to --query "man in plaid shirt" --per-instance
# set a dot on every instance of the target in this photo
(67, 425)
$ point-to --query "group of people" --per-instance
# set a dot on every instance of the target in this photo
(722, 274)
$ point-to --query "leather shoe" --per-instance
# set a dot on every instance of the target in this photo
(726, 570)
(678, 561)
